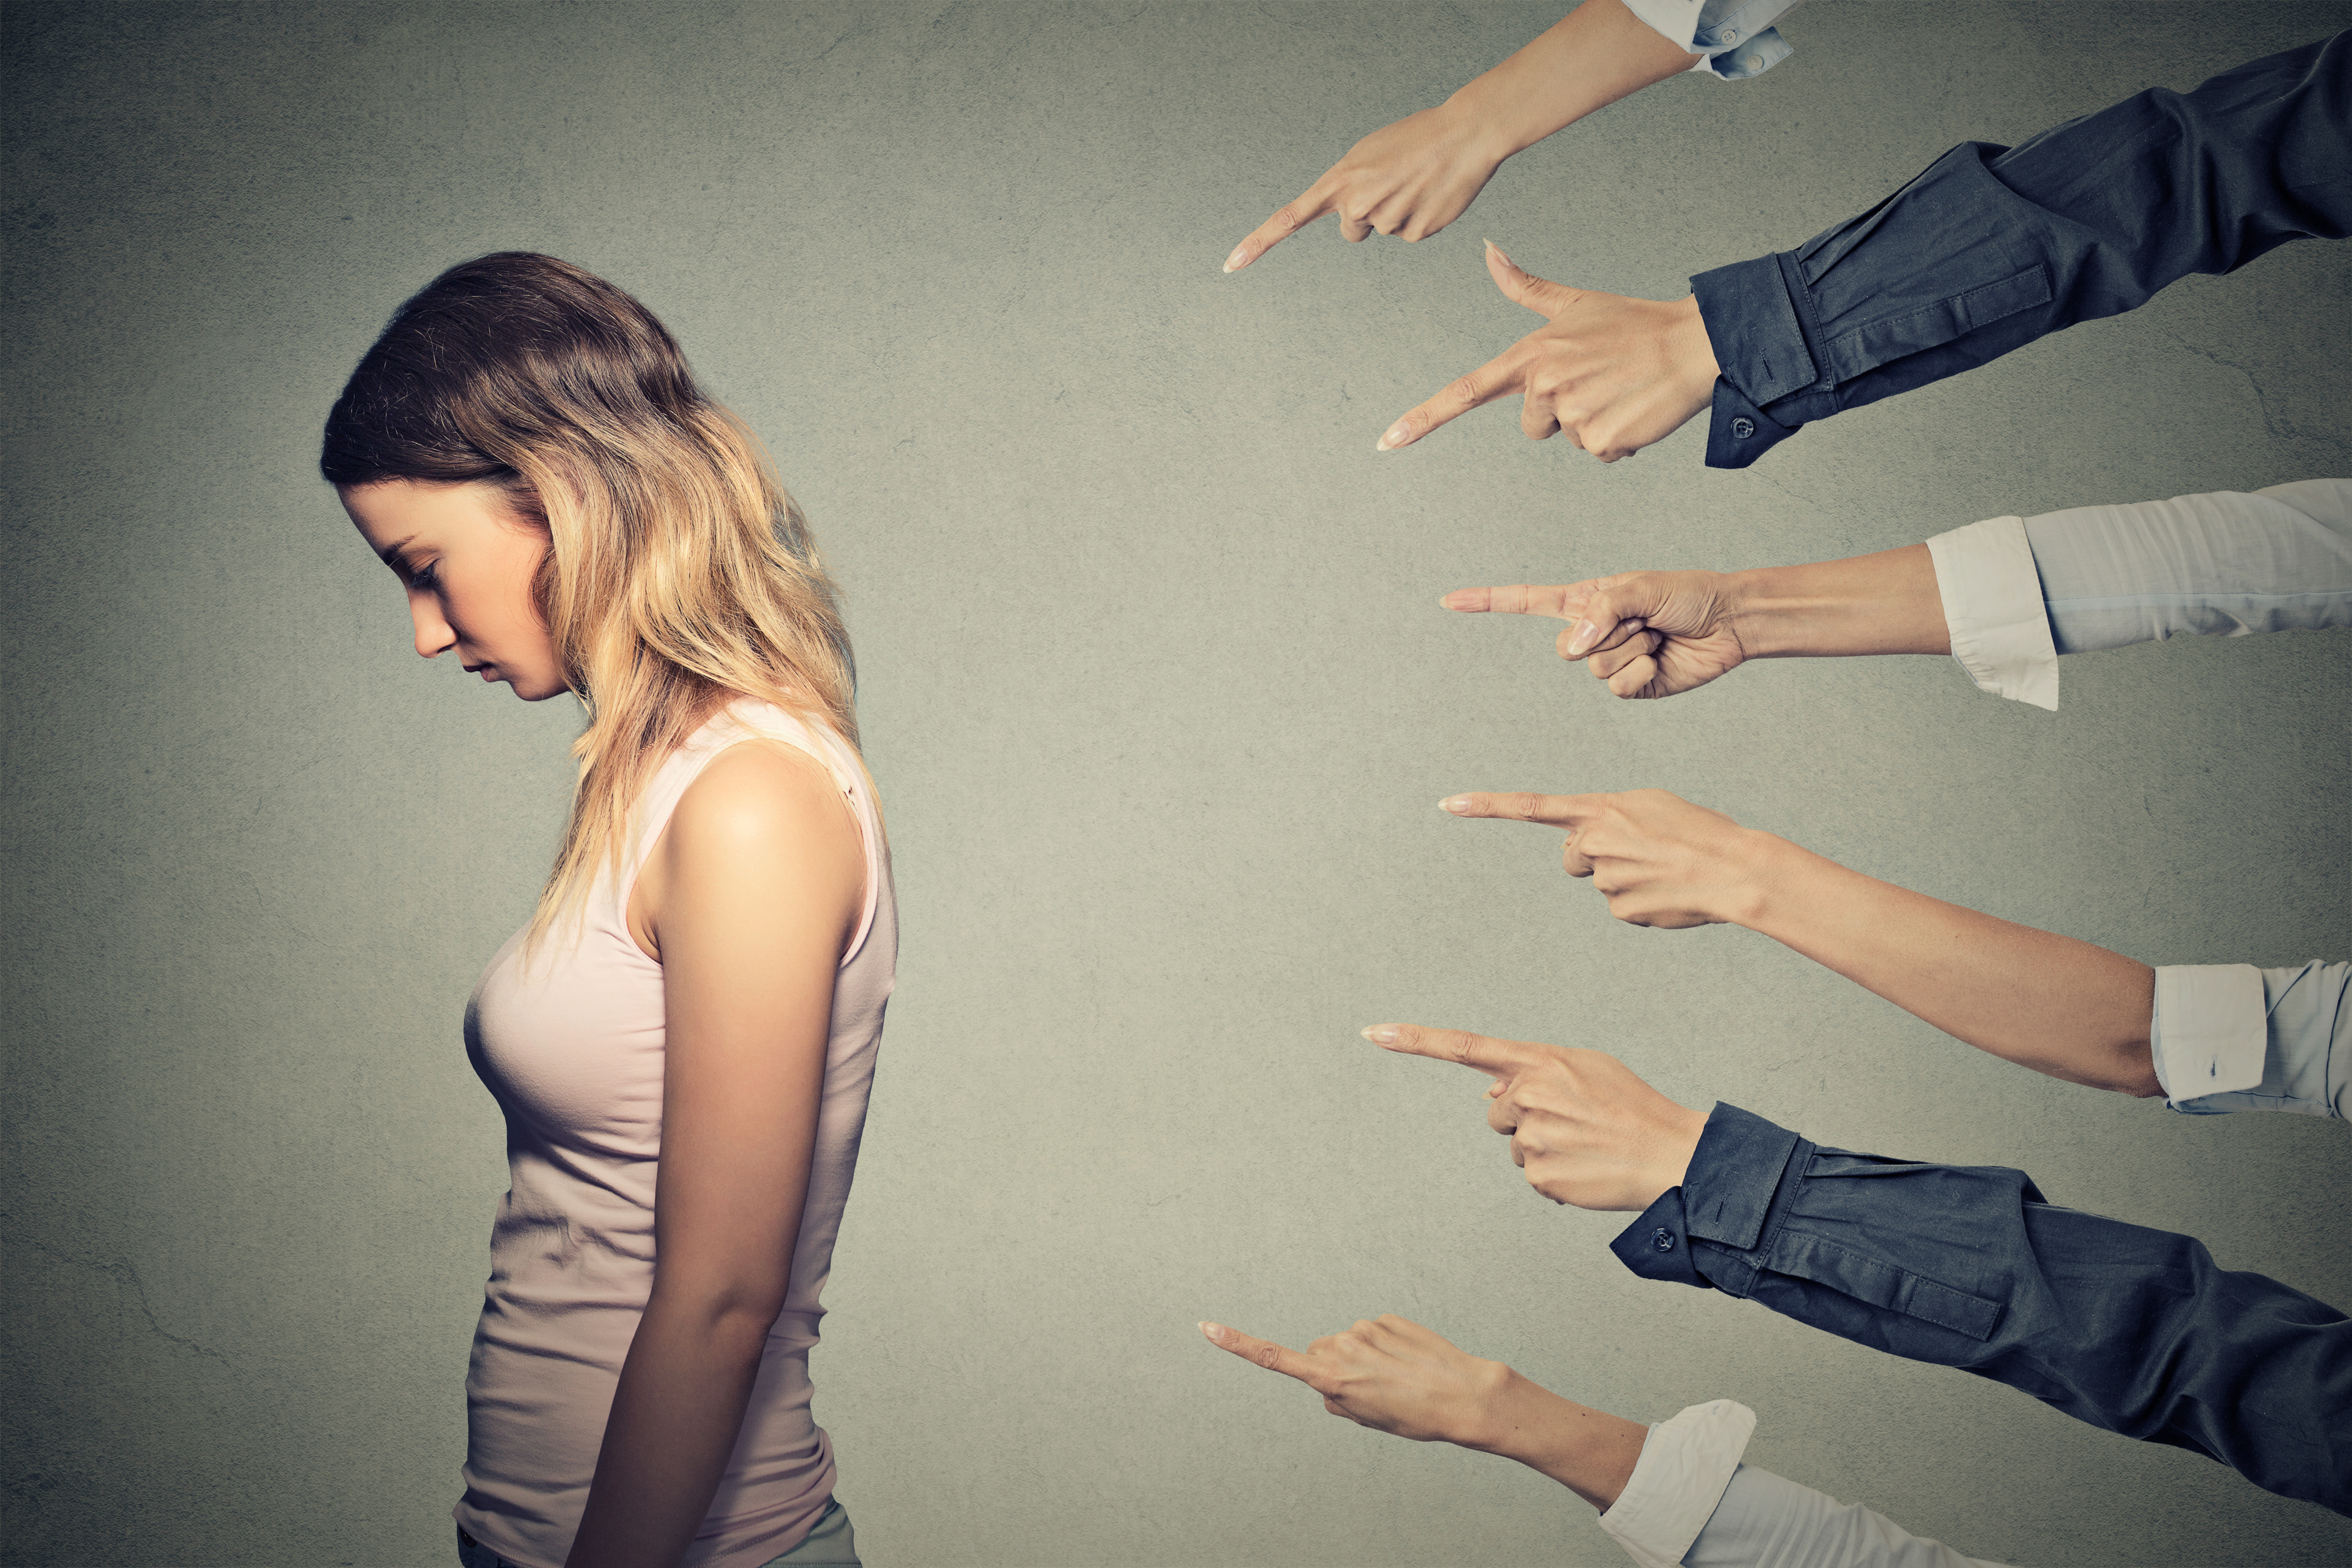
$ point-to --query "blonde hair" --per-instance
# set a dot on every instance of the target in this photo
(679, 574)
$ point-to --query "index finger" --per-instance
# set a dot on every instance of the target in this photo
(1563, 603)
(1550, 810)
(1312, 204)
(1502, 1057)
(1498, 377)
(1265, 1352)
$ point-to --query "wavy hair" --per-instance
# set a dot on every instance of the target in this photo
(679, 574)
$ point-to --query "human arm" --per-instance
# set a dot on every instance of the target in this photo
(1394, 1376)
(1674, 1492)
(2132, 1330)
(2006, 596)
(748, 900)
(1992, 247)
(1412, 178)
(1660, 633)
(2049, 1002)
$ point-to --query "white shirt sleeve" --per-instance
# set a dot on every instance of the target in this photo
(1686, 1463)
(1992, 608)
(2295, 1023)
(1766, 1521)
(1690, 1503)
(2020, 592)
(1734, 39)
(2210, 1030)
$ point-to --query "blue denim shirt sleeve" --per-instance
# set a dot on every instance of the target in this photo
(2132, 1329)
(1992, 247)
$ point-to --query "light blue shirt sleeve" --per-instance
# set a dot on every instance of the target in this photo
(2307, 1048)
(2222, 565)
(1735, 39)
(2020, 591)
(1766, 1521)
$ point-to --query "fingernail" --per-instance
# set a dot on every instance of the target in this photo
(1215, 1331)
(1587, 634)
(1396, 437)
(1457, 804)
(1235, 260)
(1498, 250)
(1380, 1033)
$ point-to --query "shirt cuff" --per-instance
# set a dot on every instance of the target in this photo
(1725, 1199)
(2210, 1029)
(1686, 1463)
(1751, 56)
(1738, 432)
(1993, 610)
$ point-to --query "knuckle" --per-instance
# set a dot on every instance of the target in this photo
(1266, 1355)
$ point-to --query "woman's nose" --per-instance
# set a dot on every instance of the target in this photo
(432, 634)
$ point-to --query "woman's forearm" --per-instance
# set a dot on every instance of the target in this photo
(2049, 1002)
(1596, 55)
(1882, 603)
(674, 1422)
(1589, 1451)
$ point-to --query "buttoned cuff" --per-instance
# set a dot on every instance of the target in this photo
(1751, 56)
(1676, 1484)
(1738, 432)
(1993, 610)
(1752, 327)
(2210, 1032)
(1725, 1199)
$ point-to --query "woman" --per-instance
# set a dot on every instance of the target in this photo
(683, 1036)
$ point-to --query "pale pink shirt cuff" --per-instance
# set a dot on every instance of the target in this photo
(1686, 1463)
(1992, 608)
(2211, 1029)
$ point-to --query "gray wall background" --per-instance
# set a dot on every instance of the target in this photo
(1160, 700)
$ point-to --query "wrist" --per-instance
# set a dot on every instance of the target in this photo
(1506, 1419)
(1483, 118)
(1693, 353)
(1761, 864)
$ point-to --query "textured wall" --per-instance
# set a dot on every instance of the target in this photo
(1159, 701)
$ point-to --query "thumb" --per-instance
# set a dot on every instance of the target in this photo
(1521, 287)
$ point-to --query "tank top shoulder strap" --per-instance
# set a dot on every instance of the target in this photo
(749, 720)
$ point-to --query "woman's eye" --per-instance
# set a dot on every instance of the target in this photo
(425, 576)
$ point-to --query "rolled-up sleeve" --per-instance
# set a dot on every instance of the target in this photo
(2286, 1033)
(1734, 39)
(2134, 1329)
(2020, 593)
(1992, 247)
(1993, 610)
(1686, 1463)
(1765, 1520)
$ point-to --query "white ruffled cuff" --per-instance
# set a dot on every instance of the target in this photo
(1686, 1463)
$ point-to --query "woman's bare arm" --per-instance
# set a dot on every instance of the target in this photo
(748, 900)
(2049, 1002)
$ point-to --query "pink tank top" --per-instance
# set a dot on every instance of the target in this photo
(571, 1044)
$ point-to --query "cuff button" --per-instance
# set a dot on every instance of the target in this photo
(1662, 1239)
(1743, 427)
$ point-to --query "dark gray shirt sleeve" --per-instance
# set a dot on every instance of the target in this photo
(1992, 247)
(2132, 1329)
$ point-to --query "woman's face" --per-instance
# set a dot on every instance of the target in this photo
(468, 563)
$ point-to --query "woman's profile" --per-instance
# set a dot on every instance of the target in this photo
(683, 1036)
